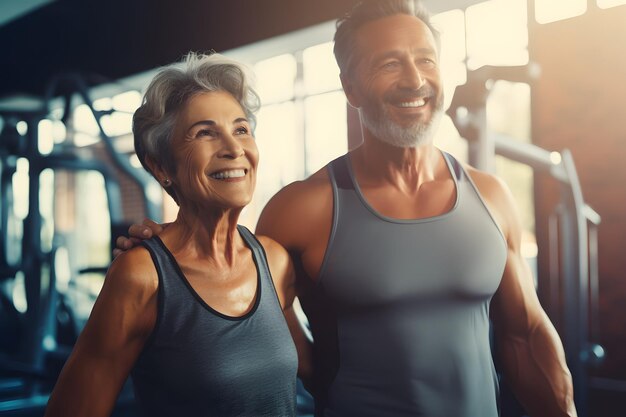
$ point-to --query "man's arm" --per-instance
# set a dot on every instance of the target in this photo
(298, 217)
(137, 233)
(284, 280)
(121, 320)
(529, 347)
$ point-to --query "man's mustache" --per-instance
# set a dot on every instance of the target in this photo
(409, 94)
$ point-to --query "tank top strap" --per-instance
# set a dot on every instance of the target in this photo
(162, 262)
(456, 167)
(154, 249)
(339, 173)
(258, 255)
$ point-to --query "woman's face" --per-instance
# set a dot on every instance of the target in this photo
(215, 153)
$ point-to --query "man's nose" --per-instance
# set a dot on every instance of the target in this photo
(411, 78)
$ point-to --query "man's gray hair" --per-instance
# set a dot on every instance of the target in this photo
(368, 11)
(171, 89)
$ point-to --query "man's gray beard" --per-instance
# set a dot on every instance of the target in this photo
(378, 122)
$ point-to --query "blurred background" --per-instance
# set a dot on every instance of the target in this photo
(533, 93)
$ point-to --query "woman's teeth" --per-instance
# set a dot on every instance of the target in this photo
(233, 173)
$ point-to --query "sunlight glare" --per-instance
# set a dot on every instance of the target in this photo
(605, 4)
(547, 11)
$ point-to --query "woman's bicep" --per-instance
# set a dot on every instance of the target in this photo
(120, 323)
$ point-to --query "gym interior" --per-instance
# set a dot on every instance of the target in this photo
(533, 90)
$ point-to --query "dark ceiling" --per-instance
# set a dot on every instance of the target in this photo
(118, 38)
(106, 40)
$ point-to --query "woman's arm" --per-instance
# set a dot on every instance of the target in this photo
(121, 321)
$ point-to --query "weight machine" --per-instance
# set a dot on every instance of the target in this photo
(40, 338)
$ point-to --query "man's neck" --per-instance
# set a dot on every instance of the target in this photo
(377, 162)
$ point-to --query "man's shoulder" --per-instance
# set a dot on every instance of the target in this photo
(300, 194)
(489, 185)
(297, 207)
(497, 195)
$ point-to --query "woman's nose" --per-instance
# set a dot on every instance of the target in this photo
(231, 147)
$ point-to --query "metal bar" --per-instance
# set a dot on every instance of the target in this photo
(7, 170)
(594, 290)
(578, 314)
(531, 155)
(32, 349)
(591, 215)
(482, 149)
(553, 280)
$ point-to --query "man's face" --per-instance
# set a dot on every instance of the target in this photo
(396, 82)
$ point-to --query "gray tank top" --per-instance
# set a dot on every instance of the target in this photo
(400, 312)
(199, 362)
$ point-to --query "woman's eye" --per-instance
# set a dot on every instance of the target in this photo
(205, 132)
(241, 131)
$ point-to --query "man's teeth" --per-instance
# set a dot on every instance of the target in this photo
(233, 173)
(416, 103)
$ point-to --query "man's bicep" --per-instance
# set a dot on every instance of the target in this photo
(277, 218)
(515, 307)
(268, 224)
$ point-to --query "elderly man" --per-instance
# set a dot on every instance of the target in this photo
(403, 254)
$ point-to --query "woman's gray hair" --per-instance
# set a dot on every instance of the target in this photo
(171, 89)
(368, 11)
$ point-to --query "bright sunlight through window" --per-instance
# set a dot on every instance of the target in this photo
(605, 4)
(547, 11)
(497, 33)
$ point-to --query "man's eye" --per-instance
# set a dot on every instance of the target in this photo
(390, 64)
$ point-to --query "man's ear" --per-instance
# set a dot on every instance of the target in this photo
(349, 90)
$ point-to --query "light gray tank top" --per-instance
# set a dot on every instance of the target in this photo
(199, 362)
(404, 327)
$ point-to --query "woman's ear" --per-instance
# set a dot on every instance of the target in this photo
(162, 176)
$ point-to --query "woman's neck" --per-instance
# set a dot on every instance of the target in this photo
(205, 234)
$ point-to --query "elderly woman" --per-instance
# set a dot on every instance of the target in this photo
(197, 314)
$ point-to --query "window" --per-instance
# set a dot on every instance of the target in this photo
(302, 122)
(321, 72)
(325, 129)
(605, 4)
(547, 11)
(451, 26)
(497, 33)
